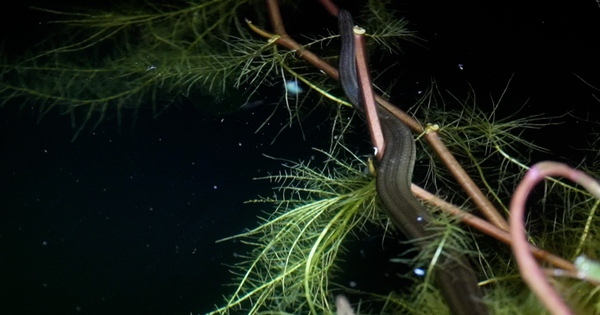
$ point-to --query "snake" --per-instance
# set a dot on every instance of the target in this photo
(456, 279)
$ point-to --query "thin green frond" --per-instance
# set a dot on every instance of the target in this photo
(295, 249)
(385, 28)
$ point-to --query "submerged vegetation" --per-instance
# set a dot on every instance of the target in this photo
(297, 246)
(118, 61)
(124, 60)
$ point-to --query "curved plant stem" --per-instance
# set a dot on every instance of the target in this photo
(531, 272)
(487, 228)
(497, 225)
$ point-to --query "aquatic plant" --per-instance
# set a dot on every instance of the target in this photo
(205, 48)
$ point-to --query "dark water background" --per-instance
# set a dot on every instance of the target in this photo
(124, 220)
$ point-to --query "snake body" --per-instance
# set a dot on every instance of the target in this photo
(455, 278)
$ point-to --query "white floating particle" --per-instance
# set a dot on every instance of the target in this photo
(293, 87)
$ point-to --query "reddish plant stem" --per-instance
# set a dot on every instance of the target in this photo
(487, 228)
(530, 271)
(330, 7)
(483, 203)
(480, 200)
(478, 197)
(366, 88)
(276, 20)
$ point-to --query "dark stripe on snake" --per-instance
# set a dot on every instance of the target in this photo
(455, 278)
